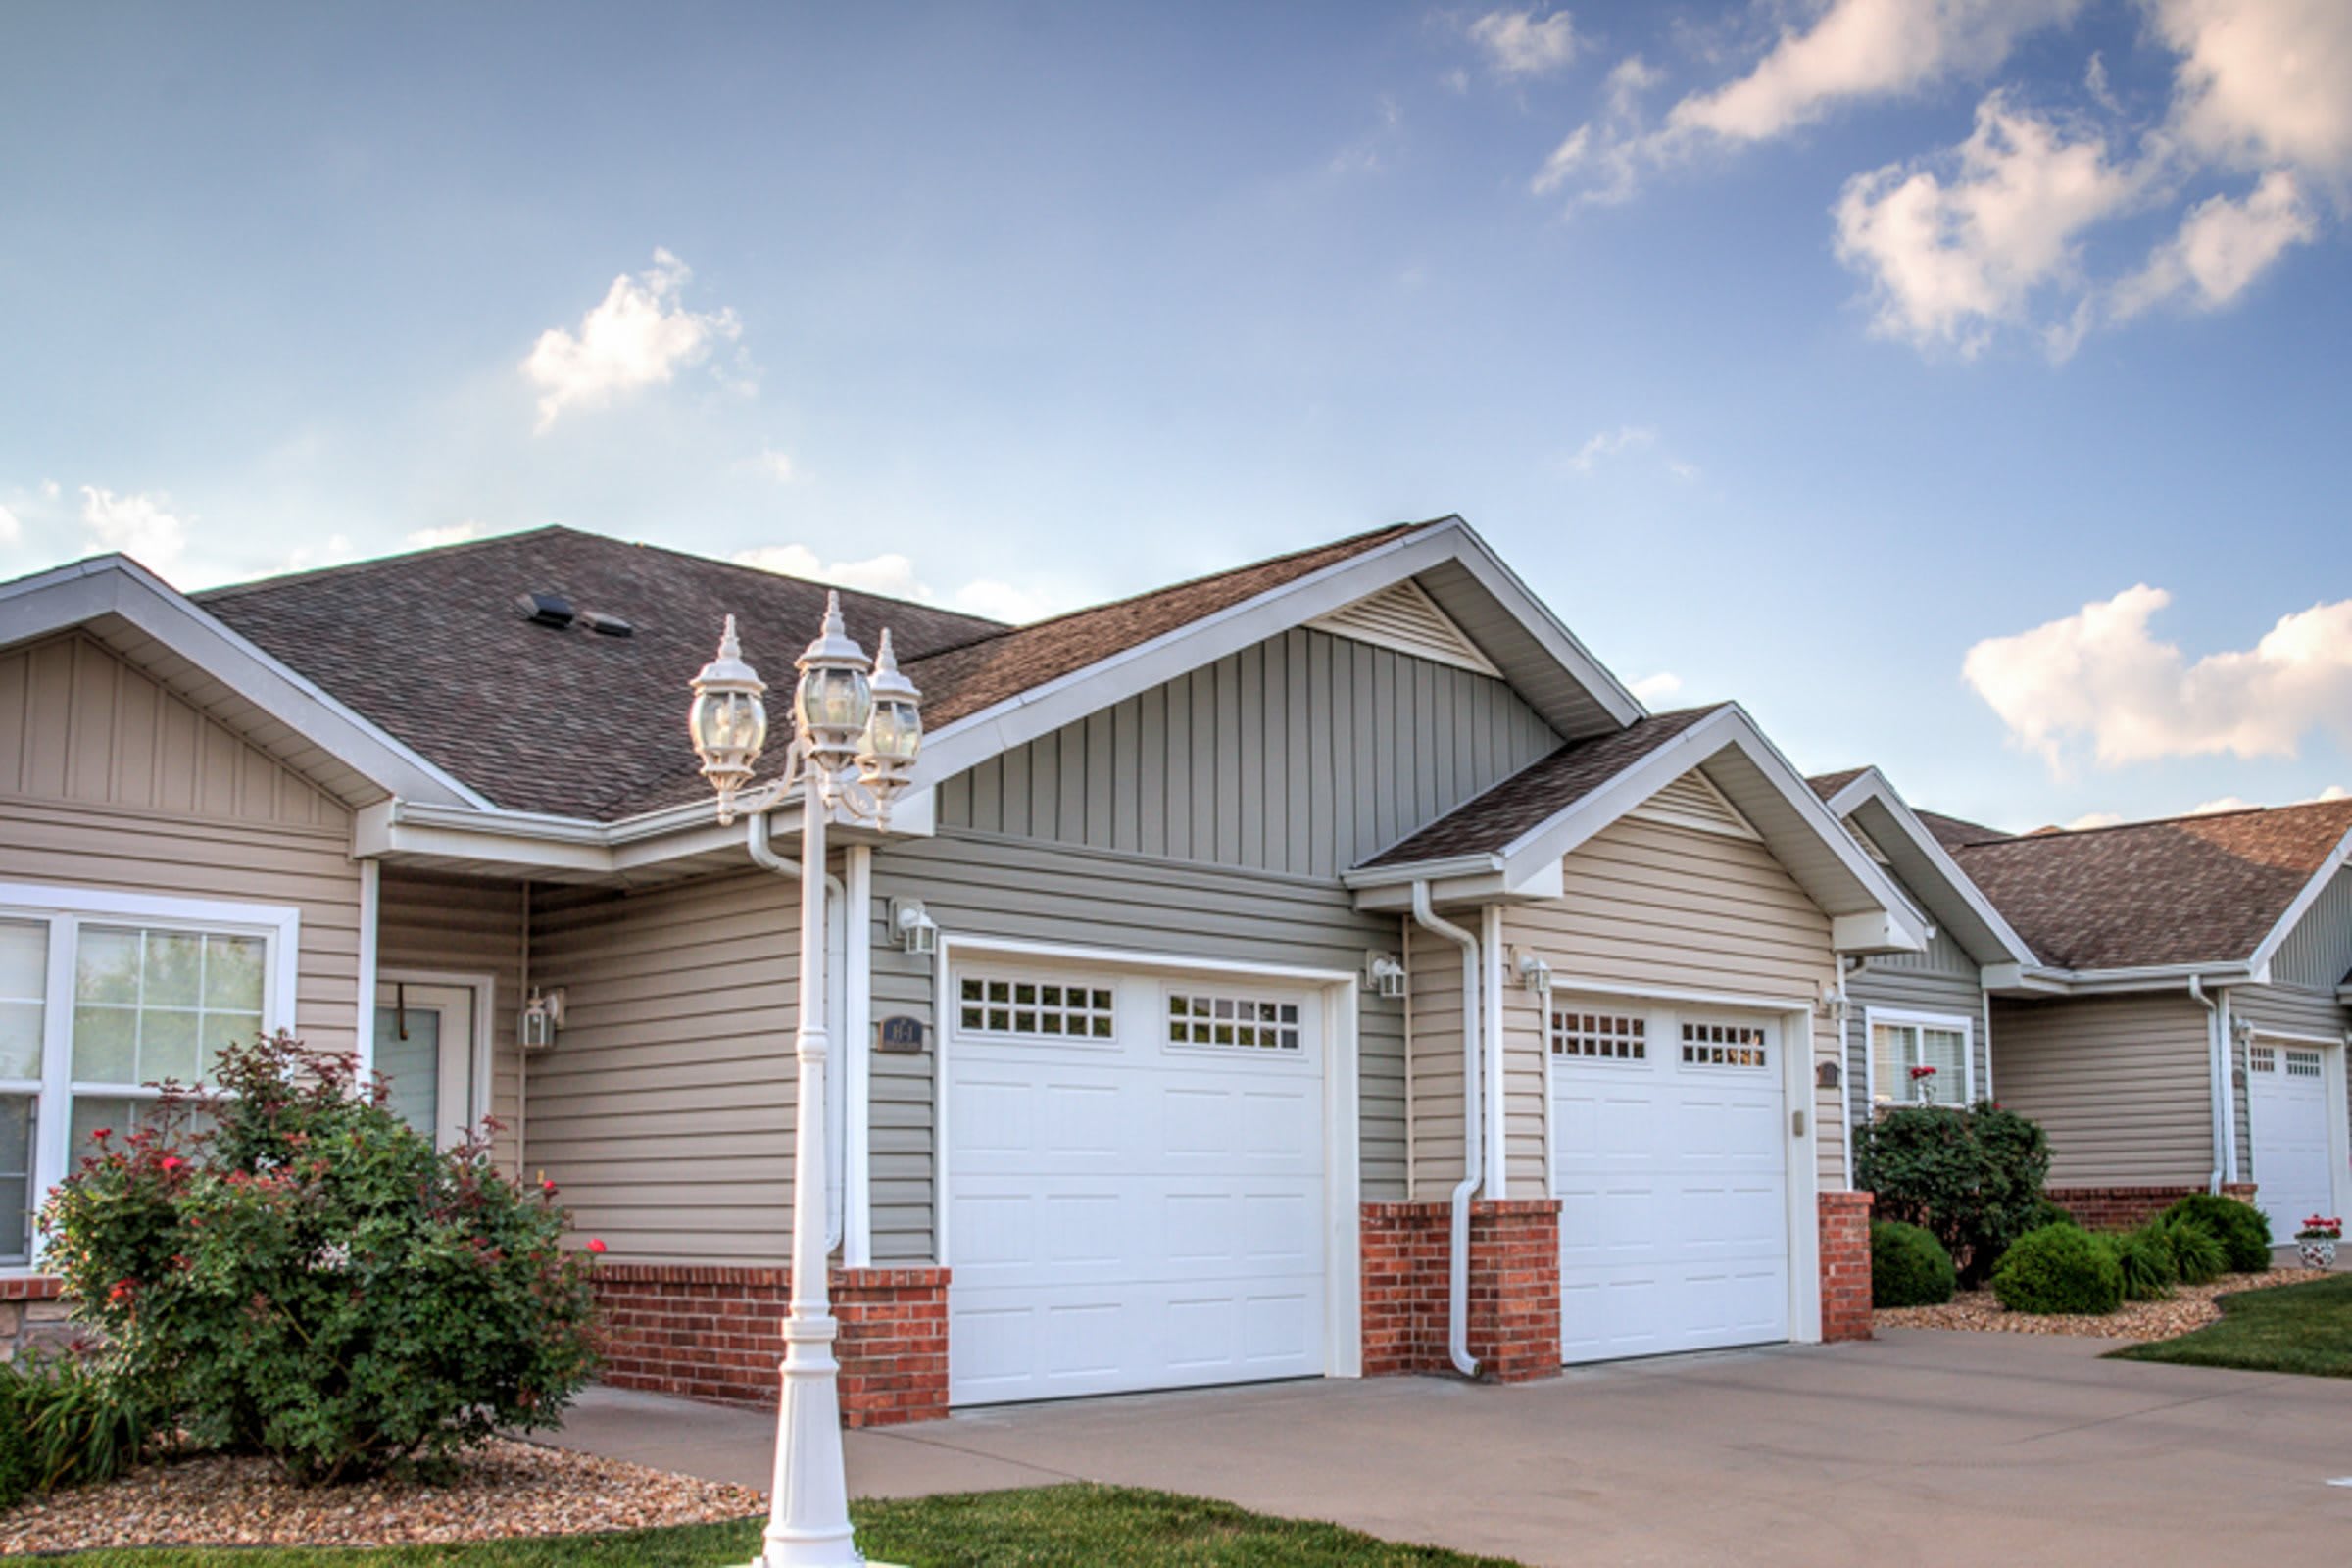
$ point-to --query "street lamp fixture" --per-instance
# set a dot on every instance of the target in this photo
(857, 729)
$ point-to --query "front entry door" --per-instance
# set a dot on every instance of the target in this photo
(425, 1048)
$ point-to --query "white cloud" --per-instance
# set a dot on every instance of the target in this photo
(457, 533)
(2227, 803)
(2090, 820)
(1520, 43)
(1608, 152)
(137, 525)
(333, 552)
(1001, 601)
(2100, 676)
(1656, 688)
(1611, 443)
(777, 466)
(640, 335)
(895, 575)
(2263, 82)
(2223, 246)
(1954, 249)
(11, 530)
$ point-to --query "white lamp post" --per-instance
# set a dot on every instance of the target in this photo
(845, 716)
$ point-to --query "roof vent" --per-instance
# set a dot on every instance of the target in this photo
(605, 625)
(544, 610)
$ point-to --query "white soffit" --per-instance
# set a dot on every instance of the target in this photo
(1402, 616)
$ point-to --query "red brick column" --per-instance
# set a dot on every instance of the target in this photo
(1514, 1295)
(2122, 1208)
(1845, 1266)
(711, 1333)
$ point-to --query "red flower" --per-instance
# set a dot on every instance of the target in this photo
(547, 1187)
(1923, 1072)
(173, 1162)
(99, 1135)
(596, 1245)
(123, 1291)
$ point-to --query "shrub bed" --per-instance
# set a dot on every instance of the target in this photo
(2243, 1230)
(2150, 1271)
(1973, 1178)
(1908, 1267)
(2059, 1268)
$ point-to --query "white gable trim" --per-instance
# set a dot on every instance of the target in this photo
(72, 596)
(1872, 785)
(2337, 858)
(1047, 706)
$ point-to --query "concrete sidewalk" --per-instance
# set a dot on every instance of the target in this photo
(1917, 1448)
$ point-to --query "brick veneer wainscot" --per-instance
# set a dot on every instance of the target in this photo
(2122, 1208)
(711, 1333)
(1514, 1299)
(34, 1315)
(1845, 1266)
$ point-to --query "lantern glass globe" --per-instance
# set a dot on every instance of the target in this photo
(835, 701)
(894, 732)
(730, 726)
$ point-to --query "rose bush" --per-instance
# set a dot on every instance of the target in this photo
(1970, 1178)
(285, 1266)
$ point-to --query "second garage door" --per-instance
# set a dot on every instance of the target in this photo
(1671, 1167)
(1136, 1182)
(2286, 1100)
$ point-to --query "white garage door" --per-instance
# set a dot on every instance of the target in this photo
(1670, 1163)
(1136, 1185)
(2286, 1098)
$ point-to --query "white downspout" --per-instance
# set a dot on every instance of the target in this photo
(1498, 1170)
(2217, 1048)
(1458, 1287)
(756, 839)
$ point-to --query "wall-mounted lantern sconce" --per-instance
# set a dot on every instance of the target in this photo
(1532, 972)
(541, 1016)
(912, 927)
(1385, 974)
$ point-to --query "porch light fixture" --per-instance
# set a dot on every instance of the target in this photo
(857, 729)
(1384, 974)
(1533, 973)
(911, 926)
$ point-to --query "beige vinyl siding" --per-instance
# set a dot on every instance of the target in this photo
(2317, 954)
(1672, 908)
(460, 925)
(1943, 980)
(2122, 1085)
(1302, 755)
(109, 780)
(990, 886)
(664, 1110)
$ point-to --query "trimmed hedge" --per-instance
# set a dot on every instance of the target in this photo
(2060, 1268)
(1909, 1267)
(2243, 1230)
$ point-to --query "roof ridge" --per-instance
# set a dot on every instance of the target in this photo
(2055, 832)
(702, 559)
(283, 579)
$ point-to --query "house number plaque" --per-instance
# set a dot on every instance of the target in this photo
(900, 1034)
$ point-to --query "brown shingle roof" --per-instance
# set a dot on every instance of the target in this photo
(1826, 785)
(1540, 790)
(1956, 834)
(430, 647)
(2184, 890)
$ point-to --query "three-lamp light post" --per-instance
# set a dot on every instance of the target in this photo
(856, 730)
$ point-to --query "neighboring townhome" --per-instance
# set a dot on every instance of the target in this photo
(1919, 1025)
(1241, 948)
(2186, 1028)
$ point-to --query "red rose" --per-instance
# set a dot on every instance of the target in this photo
(596, 1245)
(173, 1162)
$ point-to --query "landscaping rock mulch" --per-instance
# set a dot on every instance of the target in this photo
(2190, 1308)
(505, 1488)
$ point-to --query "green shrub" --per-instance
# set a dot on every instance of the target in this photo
(2059, 1268)
(1970, 1178)
(312, 1280)
(2045, 1213)
(64, 1422)
(1908, 1267)
(16, 1442)
(2243, 1230)
(2150, 1271)
(2198, 1256)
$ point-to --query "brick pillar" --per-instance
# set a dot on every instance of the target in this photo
(1845, 1266)
(714, 1333)
(1514, 1295)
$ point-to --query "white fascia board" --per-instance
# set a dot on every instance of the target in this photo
(1891, 925)
(2048, 980)
(1532, 613)
(1873, 785)
(2337, 858)
(73, 595)
(1456, 865)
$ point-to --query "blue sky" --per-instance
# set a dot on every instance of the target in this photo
(1792, 351)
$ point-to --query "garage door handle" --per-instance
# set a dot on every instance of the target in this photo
(1797, 1124)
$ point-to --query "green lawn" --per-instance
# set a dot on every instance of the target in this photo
(1045, 1527)
(2291, 1328)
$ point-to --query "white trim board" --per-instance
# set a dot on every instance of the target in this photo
(1870, 786)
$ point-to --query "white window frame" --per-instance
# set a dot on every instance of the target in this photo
(1895, 1017)
(66, 911)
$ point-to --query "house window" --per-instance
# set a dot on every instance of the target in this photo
(1033, 1009)
(105, 998)
(1919, 1061)
(1723, 1045)
(1600, 1036)
(1252, 1023)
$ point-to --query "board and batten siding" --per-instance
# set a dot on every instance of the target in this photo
(992, 886)
(2317, 954)
(110, 780)
(664, 1110)
(465, 926)
(1304, 755)
(2122, 1085)
(1648, 905)
(1943, 980)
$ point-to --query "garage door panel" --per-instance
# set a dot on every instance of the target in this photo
(1026, 1342)
(2292, 1113)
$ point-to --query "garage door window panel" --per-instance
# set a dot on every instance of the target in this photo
(1029, 1007)
(1221, 1020)
(1725, 1044)
(1600, 1037)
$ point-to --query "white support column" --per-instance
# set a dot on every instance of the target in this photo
(371, 916)
(858, 1058)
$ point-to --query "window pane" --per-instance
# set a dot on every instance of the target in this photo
(175, 974)
(1889, 1064)
(233, 973)
(16, 1177)
(120, 1118)
(106, 1044)
(24, 959)
(21, 1039)
(167, 1045)
(225, 1029)
(1945, 1050)
(108, 967)
(412, 1065)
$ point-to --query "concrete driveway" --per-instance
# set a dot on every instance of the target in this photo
(1917, 1448)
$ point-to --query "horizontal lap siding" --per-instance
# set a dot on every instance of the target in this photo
(664, 1110)
(1672, 908)
(1302, 755)
(2122, 1085)
(109, 780)
(1943, 980)
(996, 887)
(461, 926)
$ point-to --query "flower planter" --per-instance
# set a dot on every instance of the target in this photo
(2318, 1255)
